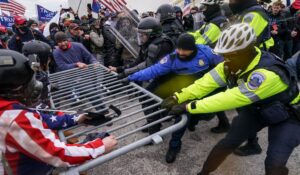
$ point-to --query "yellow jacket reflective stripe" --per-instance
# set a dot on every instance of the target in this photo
(209, 36)
(258, 23)
(236, 97)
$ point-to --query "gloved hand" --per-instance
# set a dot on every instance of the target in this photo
(178, 109)
(95, 135)
(54, 87)
(125, 81)
(121, 75)
(169, 102)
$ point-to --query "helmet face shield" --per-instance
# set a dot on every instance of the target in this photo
(33, 90)
(142, 38)
(158, 16)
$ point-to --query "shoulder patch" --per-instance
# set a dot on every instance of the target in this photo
(163, 60)
(201, 62)
(256, 80)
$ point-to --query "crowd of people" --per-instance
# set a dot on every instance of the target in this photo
(239, 55)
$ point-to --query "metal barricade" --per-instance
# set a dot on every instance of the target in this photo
(96, 89)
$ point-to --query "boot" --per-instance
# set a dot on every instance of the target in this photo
(171, 155)
(154, 129)
(221, 128)
(223, 125)
(191, 127)
(251, 148)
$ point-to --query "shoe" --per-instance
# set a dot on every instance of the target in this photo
(202, 173)
(192, 128)
(220, 129)
(146, 130)
(251, 148)
(154, 129)
(171, 155)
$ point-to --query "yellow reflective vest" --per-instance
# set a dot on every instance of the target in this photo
(261, 84)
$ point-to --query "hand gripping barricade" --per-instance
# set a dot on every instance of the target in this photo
(95, 89)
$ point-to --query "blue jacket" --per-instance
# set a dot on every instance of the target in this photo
(201, 63)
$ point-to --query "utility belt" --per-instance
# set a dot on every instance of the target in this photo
(277, 112)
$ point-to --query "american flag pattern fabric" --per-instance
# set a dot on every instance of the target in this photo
(30, 144)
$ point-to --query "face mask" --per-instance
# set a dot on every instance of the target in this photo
(36, 28)
(234, 7)
(24, 29)
(4, 37)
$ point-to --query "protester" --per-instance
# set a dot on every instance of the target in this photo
(23, 34)
(69, 54)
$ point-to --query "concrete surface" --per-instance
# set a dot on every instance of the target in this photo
(150, 160)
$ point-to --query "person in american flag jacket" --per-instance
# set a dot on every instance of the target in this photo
(28, 140)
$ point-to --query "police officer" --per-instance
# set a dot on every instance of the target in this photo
(215, 22)
(166, 14)
(28, 141)
(154, 45)
(179, 14)
(177, 70)
(261, 87)
(249, 11)
(39, 54)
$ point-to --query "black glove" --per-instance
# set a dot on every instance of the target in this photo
(178, 109)
(95, 135)
(97, 118)
(121, 76)
(125, 81)
(54, 87)
(169, 102)
(120, 69)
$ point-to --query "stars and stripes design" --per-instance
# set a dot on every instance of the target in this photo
(27, 141)
(114, 5)
(12, 6)
(187, 7)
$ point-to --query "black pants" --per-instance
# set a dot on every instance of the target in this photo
(283, 138)
(175, 142)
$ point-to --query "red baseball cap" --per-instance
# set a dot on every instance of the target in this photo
(3, 29)
(19, 20)
(296, 5)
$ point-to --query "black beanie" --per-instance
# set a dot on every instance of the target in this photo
(60, 36)
(186, 42)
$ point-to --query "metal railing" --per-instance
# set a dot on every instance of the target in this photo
(96, 89)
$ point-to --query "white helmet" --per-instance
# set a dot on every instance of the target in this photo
(234, 38)
(211, 2)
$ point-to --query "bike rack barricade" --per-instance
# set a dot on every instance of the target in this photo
(127, 107)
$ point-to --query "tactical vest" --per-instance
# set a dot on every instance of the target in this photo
(219, 21)
(275, 109)
(153, 52)
(266, 34)
(172, 29)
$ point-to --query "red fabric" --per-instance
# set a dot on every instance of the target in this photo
(28, 135)
(296, 4)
